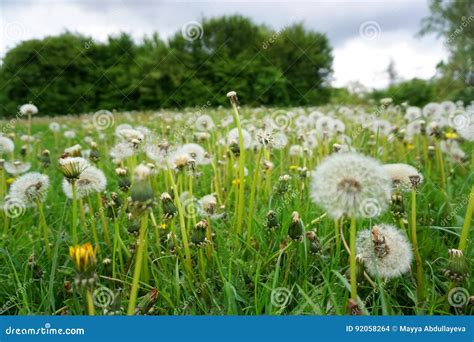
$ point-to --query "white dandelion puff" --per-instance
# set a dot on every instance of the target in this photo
(17, 167)
(6, 145)
(233, 136)
(384, 251)
(404, 177)
(122, 150)
(344, 182)
(30, 188)
(204, 123)
(28, 109)
(90, 181)
(54, 127)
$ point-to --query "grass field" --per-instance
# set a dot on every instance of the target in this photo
(219, 211)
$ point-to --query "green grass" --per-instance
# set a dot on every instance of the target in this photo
(256, 273)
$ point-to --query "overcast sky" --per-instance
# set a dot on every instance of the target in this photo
(364, 35)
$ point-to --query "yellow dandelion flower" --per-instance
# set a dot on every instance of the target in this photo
(163, 226)
(451, 135)
(83, 257)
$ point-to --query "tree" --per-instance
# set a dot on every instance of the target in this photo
(453, 20)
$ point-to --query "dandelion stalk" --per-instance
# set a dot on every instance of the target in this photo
(419, 263)
(29, 123)
(138, 264)
(74, 213)
(182, 224)
(103, 219)
(44, 226)
(352, 258)
(240, 206)
(467, 222)
(94, 227)
(252, 194)
(90, 303)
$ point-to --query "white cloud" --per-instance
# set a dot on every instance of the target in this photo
(366, 61)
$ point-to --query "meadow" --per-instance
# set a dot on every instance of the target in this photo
(334, 210)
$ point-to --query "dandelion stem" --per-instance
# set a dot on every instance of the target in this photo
(240, 206)
(138, 264)
(105, 226)
(44, 226)
(353, 264)
(29, 123)
(74, 213)
(419, 263)
(252, 194)
(92, 221)
(182, 224)
(90, 303)
(467, 222)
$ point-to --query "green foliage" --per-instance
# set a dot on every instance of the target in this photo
(71, 73)
(453, 20)
(416, 92)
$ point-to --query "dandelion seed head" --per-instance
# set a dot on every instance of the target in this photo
(195, 151)
(90, 181)
(384, 250)
(233, 136)
(28, 109)
(54, 127)
(72, 167)
(296, 151)
(344, 182)
(141, 172)
(404, 177)
(73, 151)
(452, 149)
(17, 167)
(29, 188)
(6, 145)
(122, 150)
(204, 123)
(208, 204)
(130, 134)
(69, 134)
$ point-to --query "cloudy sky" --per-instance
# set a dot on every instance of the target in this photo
(364, 35)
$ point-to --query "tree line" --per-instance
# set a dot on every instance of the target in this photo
(72, 73)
